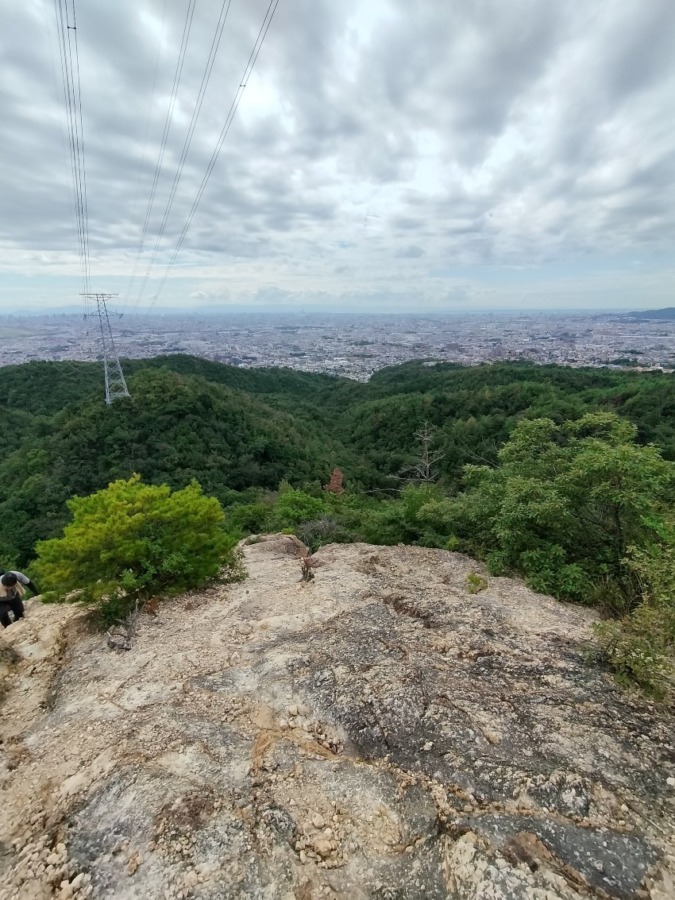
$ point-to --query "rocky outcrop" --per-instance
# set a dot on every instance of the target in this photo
(375, 732)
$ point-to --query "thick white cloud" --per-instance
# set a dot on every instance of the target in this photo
(386, 154)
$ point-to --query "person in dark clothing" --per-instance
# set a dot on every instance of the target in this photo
(12, 587)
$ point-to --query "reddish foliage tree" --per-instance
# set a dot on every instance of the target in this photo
(335, 483)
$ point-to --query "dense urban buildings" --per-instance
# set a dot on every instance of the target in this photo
(349, 345)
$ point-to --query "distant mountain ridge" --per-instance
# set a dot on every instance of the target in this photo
(666, 314)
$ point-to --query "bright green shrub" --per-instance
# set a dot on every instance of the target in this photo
(476, 583)
(250, 518)
(294, 507)
(134, 540)
(637, 650)
(641, 646)
(403, 520)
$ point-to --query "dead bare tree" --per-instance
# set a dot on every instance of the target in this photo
(120, 635)
(423, 470)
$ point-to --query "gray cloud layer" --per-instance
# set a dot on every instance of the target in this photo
(385, 153)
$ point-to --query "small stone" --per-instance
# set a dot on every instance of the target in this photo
(303, 710)
(318, 821)
(322, 846)
(191, 879)
(292, 710)
(204, 869)
(428, 746)
(77, 881)
(53, 859)
(670, 782)
(66, 892)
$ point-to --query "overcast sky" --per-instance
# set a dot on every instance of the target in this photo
(387, 155)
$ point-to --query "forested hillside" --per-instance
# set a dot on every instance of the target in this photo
(235, 430)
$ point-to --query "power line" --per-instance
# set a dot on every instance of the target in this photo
(141, 165)
(206, 77)
(71, 90)
(72, 41)
(243, 81)
(187, 26)
(85, 343)
(66, 20)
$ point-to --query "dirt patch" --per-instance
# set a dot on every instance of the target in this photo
(185, 815)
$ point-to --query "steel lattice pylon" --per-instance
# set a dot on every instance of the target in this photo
(115, 384)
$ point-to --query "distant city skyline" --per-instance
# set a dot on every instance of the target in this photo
(353, 345)
(385, 157)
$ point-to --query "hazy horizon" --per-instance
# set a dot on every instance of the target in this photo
(243, 310)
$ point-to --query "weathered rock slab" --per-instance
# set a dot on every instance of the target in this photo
(376, 732)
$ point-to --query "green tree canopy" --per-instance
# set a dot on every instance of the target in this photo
(564, 505)
(136, 539)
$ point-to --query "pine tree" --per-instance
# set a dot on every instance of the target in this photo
(135, 540)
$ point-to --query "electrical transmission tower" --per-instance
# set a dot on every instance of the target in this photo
(115, 385)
